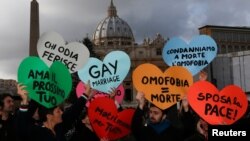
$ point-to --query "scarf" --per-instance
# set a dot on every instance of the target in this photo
(160, 127)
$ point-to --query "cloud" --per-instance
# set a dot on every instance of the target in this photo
(74, 19)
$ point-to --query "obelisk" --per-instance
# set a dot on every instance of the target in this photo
(34, 28)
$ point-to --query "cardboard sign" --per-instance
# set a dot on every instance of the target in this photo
(194, 56)
(107, 74)
(47, 86)
(106, 121)
(163, 89)
(51, 47)
(80, 89)
(217, 108)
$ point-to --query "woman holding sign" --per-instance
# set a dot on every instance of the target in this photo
(55, 122)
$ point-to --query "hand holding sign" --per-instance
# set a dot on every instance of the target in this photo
(51, 47)
(162, 89)
(47, 86)
(224, 107)
(107, 74)
(119, 92)
(107, 121)
(195, 56)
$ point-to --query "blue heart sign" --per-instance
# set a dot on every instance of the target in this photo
(194, 56)
(106, 74)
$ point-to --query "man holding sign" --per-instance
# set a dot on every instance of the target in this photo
(157, 127)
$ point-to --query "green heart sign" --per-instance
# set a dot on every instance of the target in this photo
(47, 86)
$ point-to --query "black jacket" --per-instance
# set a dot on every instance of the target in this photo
(7, 129)
(29, 131)
(82, 133)
(147, 133)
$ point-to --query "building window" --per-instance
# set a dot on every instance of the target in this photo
(235, 37)
(243, 48)
(223, 36)
(248, 47)
(223, 49)
(215, 35)
(110, 43)
(229, 36)
(140, 52)
(128, 95)
(242, 37)
(236, 48)
(248, 37)
(158, 51)
(230, 48)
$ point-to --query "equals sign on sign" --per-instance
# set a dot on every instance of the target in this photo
(164, 90)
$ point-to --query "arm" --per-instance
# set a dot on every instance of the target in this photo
(23, 120)
(72, 113)
(112, 95)
(137, 125)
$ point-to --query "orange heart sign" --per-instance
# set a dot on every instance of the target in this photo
(217, 108)
(163, 89)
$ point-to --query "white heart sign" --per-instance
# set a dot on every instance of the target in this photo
(52, 47)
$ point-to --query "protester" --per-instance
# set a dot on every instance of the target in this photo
(55, 122)
(195, 128)
(157, 127)
(7, 122)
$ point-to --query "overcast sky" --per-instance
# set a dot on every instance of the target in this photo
(74, 19)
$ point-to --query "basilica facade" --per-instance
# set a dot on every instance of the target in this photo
(113, 33)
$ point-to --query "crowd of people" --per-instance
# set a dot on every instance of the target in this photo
(31, 121)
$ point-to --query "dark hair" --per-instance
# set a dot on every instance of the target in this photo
(43, 112)
(2, 97)
(163, 111)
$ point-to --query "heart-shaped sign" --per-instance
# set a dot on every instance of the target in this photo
(106, 121)
(107, 74)
(194, 56)
(81, 88)
(47, 86)
(217, 108)
(163, 89)
(51, 47)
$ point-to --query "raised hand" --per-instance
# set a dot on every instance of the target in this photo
(22, 93)
(202, 127)
(184, 104)
(88, 89)
(140, 97)
(112, 93)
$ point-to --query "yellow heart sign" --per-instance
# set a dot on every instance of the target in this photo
(163, 89)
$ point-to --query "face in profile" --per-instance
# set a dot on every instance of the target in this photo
(156, 115)
(56, 117)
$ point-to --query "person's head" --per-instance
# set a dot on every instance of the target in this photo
(156, 115)
(7, 103)
(50, 114)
